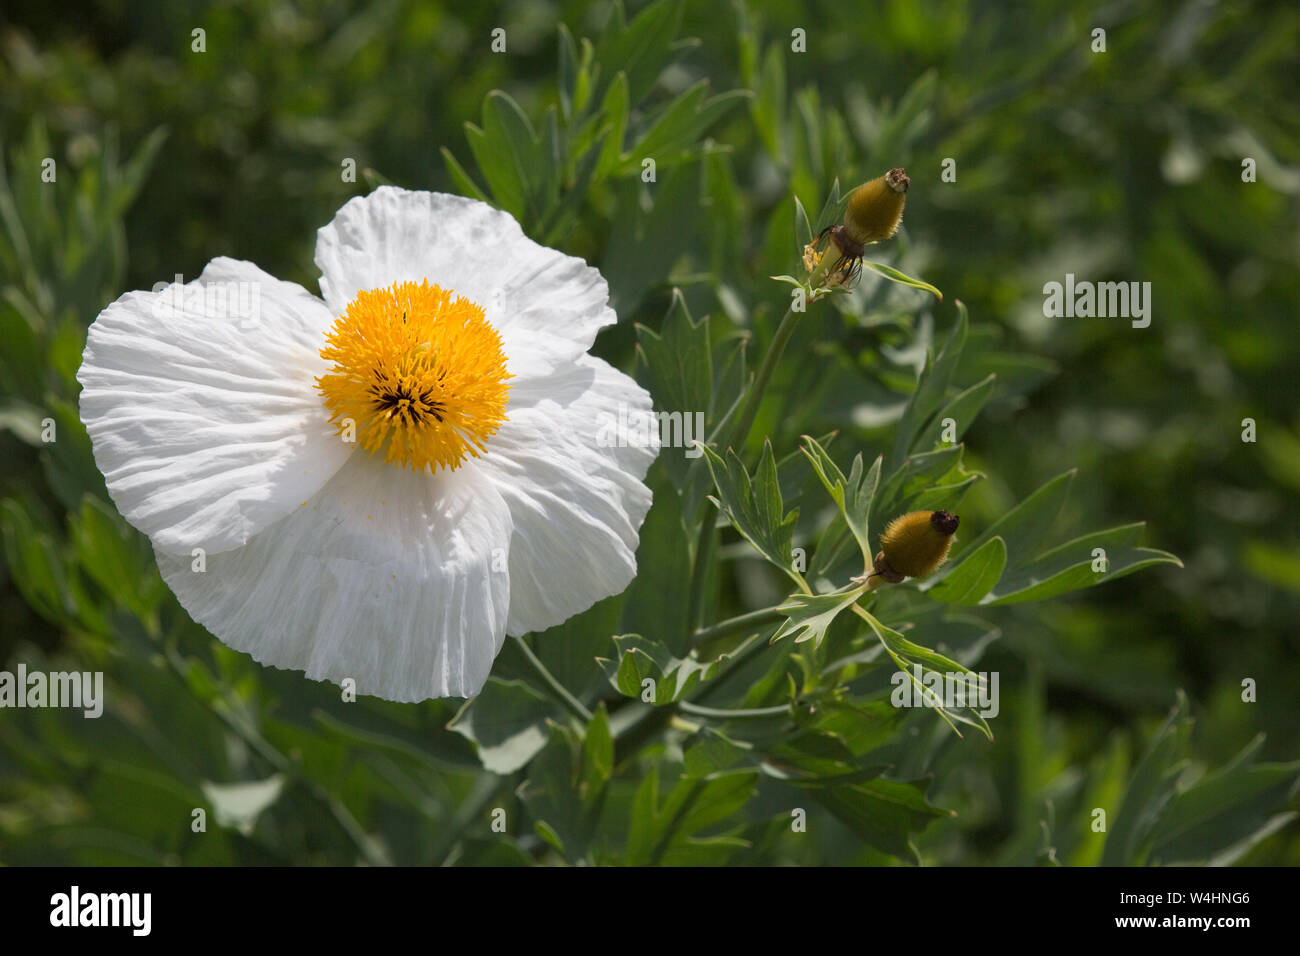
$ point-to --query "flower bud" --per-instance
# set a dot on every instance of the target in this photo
(876, 208)
(915, 544)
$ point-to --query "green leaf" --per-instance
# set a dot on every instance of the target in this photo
(566, 69)
(553, 794)
(947, 493)
(975, 576)
(803, 235)
(963, 409)
(918, 476)
(911, 652)
(675, 130)
(645, 246)
(69, 463)
(676, 365)
(884, 814)
(506, 722)
(23, 421)
(371, 732)
(809, 615)
(667, 833)
(930, 387)
(710, 751)
(832, 210)
(115, 557)
(569, 649)
(1149, 791)
(567, 786)
(1225, 809)
(1069, 567)
(1024, 526)
(862, 725)
(1168, 816)
(464, 182)
(642, 48)
(128, 181)
(768, 107)
(755, 508)
(510, 155)
(638, 659)
(498, 170)
(374, 178)
(597, 756)
(853, 495)
(906, 654)
(533, 168)
(902, 278)
(615, 110)
(34, 563)
(817, 758)
(562, 216)
(663, 568)
(730, 378)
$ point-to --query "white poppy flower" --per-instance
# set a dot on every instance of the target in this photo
(383, 484)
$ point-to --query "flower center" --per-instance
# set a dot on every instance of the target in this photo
(416, 374)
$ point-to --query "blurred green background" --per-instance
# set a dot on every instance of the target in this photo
(1122, 165)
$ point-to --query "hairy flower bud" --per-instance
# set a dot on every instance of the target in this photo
(876, 208)
(915, 544)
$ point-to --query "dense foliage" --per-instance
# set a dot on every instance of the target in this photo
(771, 737)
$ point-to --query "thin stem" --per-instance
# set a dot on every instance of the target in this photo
(764, 377)
(643, 729)
(724, 714)
(575, 706)
(337, 808)
(480, 799)
(739, 657)
(707, 538)
(705, 542)
(754, 619)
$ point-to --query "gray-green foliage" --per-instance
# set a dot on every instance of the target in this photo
(733, 683)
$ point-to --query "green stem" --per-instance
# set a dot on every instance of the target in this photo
(630, 741)
(575, 706)
(784, 331)
(705, 542)
(482, 797)
(754, 619)
(724, 714)
(707, 536)
(290, 768)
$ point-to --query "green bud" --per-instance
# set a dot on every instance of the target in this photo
(915, 544)
(876, 208)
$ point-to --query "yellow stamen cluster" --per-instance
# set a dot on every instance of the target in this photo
(416, 374)
(812, 256)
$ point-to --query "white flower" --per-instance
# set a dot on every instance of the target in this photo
(381, 485)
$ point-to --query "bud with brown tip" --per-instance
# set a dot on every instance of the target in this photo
(914, 545)
(876, 208)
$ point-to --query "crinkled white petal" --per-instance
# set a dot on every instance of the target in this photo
(569, 462)
(395, 579)
(547, 306)
(203, 412)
